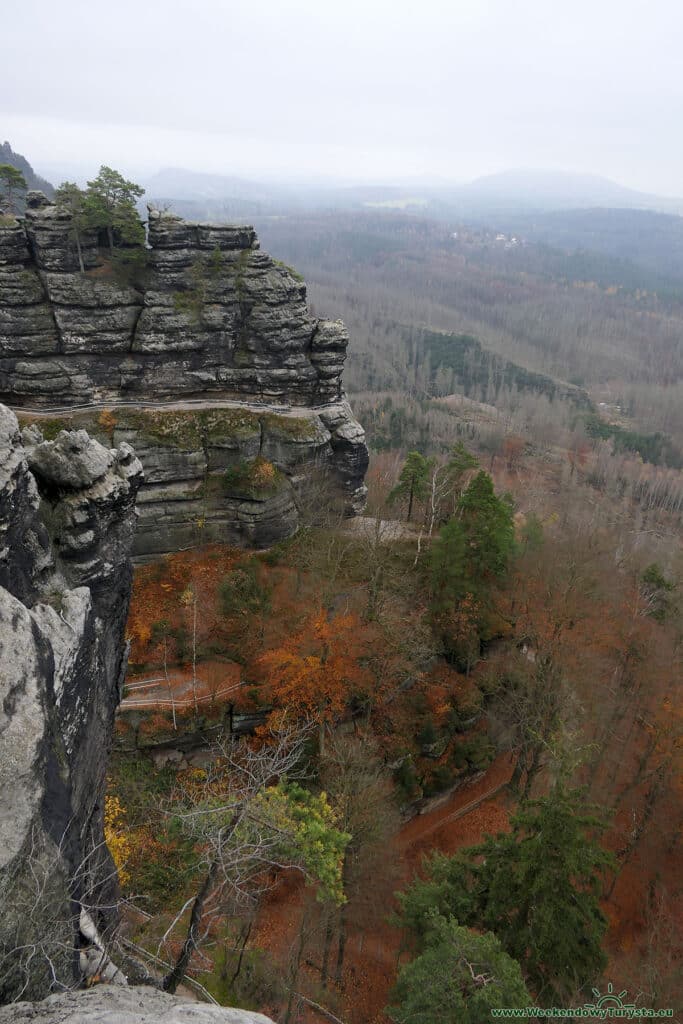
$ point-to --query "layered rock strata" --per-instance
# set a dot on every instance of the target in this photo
(217, 324)
(66, 528)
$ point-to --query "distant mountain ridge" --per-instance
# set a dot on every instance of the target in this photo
(33, 180)
(565, 190)
(515, 191)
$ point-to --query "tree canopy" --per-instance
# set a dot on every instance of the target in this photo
(12, 182)
(111, 207)
(457, 979)
(316, 671)
(413, 482)
(73, 200)
(475, 545)
(537, 888)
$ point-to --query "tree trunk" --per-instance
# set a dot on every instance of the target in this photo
(171, 981)
(296, 965)
(329, 931)
(532, 771)
(110, 236)
(240, 958)
(516, 778)
(341, 949)
(410, 503)
(80, 252)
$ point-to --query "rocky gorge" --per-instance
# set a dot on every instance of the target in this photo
(214, 369)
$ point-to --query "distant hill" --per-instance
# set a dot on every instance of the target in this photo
(563, 190)
(179, 183)
(486, 199)
(33, 180)
(652, 241)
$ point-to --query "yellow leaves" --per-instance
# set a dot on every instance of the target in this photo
(107, 420)
(263, 473)
(116, 837)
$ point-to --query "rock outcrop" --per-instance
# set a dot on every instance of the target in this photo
(66, 529)
(218, 326)
(108, 1005)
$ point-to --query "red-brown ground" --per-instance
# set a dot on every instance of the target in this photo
(372, 953)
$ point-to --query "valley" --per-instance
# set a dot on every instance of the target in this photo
(393, 662)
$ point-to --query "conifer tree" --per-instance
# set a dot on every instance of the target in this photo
(489, 528)
(72, 199)
(12, 182)
(413, 482)
(110, 207)
(537, 888)
(457, 979)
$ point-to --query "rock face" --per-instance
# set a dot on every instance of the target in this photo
(108, 1005)
(66, 530)
(219, 324)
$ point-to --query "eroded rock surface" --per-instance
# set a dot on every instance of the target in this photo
(217, 323)
(66, 530)
(108, 1005)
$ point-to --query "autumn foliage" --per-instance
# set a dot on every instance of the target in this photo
(317, 672)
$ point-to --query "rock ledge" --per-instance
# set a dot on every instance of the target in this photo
(107, 1004)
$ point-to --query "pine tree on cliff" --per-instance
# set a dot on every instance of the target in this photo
(110, 206)
(73, 201)
(12, 182)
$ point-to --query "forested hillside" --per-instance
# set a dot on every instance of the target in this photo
(478, 678)
(16, 160)
(581, 318)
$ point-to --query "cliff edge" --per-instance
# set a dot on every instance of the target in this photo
(108, 1005)
(215, 369)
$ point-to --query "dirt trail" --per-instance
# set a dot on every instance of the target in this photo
(373, 951)
(295, 411)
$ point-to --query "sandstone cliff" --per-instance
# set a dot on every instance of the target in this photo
(212, 369)
(108, 1005)
(66, 527)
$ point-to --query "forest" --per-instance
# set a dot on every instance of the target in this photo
(341, 512)
(424, 764)
(421, 738)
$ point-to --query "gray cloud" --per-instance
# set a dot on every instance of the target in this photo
(354, 89)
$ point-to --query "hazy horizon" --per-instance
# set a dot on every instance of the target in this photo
(364, 92)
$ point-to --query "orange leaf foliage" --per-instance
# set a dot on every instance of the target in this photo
(318, 670)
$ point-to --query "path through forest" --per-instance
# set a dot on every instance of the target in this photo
(373, 946)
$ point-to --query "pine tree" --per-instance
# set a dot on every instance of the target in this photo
(72, 199)
(12, 182)
(110, 207)
(458, 979)
(489, 528)
(540, 886)
(447, 563)
(537, 888)
(413, 482)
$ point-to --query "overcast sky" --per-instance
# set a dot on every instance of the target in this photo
(359, 89)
